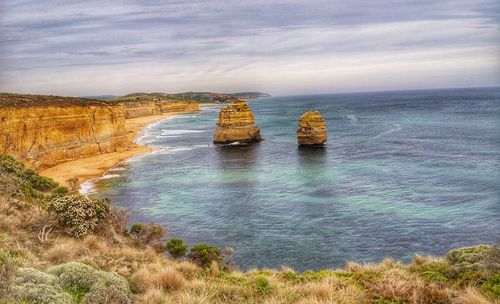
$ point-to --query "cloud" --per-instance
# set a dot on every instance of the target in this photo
(97, 47)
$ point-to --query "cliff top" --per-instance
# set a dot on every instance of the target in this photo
(27, 100)
(201, 97)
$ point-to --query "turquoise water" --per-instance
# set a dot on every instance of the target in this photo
(403, 172)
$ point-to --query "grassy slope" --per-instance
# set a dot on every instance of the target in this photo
(468, 275)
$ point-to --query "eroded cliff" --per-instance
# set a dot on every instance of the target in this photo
(236, 123)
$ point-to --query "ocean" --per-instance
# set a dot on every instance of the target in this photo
(402, 173)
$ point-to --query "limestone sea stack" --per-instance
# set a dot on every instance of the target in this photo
(312, 129)
(236, 123)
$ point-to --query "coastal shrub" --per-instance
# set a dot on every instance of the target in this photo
(147, 234)
(74, 276)
(203, 255)
(110, 287)
(10, 165)
(79, 215)
(433, 271)
(177, 248)
(26, 182)
(40, 183)
(33, 286)
(481, 257)
(89, 285)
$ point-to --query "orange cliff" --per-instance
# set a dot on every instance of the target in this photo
(236, 124)
(44, 131)
(45, 136)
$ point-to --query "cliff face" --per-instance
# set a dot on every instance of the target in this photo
(48, 135)
(146, 108)
(43, 131)
(236, 124)
(312, 129)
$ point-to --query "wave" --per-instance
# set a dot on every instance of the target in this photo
(108, 176)
(352, 118)
(170, 132)
(87, 187)
(397, 128)
(117, 169)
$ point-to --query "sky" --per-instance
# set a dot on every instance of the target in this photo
(89, 47)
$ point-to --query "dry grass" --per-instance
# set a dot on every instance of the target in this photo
(64, 250)
(214, 269)
(399, 284)
(187, 269)
(93, 243)
(471, 296)
(154, 296)
(155, 276)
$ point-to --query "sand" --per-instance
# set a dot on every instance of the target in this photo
(95, 166)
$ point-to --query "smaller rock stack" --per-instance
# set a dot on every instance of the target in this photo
(312, 129)
(236, 124)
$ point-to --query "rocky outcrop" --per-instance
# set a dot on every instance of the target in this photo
(312, 129)
(236, 123)
(48, 135)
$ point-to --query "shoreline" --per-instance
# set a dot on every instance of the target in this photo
(95, 166)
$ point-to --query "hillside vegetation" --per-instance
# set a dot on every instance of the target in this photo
(57, 246)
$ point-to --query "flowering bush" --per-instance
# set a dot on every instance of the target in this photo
(79, 215)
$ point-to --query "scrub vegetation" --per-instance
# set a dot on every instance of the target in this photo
(61, 247)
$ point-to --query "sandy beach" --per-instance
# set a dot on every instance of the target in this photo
(95, 166)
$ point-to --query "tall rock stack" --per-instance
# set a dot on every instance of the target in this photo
(312, 129)
(236, 124)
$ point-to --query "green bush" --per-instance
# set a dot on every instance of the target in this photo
(10, 165)
(90, 286)
(177, 248)
(203, 255)
(18, 181)
(433, 271)
(40, 183)
(147, 234)
(79, 215)
(33, 286)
